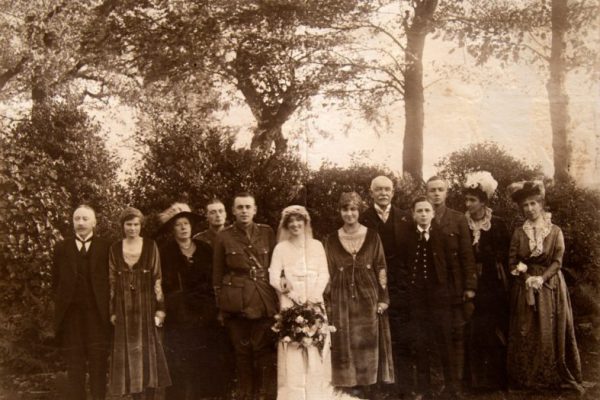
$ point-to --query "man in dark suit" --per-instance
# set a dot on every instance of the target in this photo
(389, 220)
(461, 264)
(429, 292)
(81, 293)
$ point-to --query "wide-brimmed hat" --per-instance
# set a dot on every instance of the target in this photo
(177, 210)
(519, 191)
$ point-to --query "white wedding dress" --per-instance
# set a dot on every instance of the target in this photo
(305, 268)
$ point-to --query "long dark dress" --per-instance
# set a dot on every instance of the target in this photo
(197, 346)
(487, 333)
(138, 361)
(542, 349)
(361, 349)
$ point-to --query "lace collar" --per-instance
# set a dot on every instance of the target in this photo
(537, 232)
(483, 224)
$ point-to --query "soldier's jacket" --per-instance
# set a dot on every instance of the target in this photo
(233, 250)
(207, 236)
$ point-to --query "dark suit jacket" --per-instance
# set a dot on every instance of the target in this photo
(64, 277)
(459, 252)
(370, 219)
(437, 242)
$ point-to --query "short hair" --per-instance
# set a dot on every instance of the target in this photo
(436, 178)
(244, 194)
(130, 213)
(348, 198)
(419, 199)
(380, 177)
(87, 207)
(214, 200)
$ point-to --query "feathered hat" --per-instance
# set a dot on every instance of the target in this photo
(176, 210)
(519, 191)
(481, 183)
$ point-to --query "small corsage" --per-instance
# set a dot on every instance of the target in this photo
(521, 269)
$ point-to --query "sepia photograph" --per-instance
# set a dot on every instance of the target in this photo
(299, 199)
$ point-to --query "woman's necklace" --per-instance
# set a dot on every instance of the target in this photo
(187, 248)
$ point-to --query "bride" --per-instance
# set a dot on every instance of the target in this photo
(299, 273)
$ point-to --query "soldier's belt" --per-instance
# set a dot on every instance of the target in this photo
(253, 273)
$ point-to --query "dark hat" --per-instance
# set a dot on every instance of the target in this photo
(519, 191)
(176, 210)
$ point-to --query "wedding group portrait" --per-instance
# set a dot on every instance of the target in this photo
(299, 199)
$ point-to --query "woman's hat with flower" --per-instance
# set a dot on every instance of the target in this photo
(481, 182)
(177, 210)
(519, 191)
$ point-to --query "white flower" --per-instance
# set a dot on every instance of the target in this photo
(521, 269)
(286, 339)
(299, 319)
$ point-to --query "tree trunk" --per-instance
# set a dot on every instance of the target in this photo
(557, 95)
(265, 134)
(412, 152)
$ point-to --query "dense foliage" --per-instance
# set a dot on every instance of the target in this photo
(574, 209)
(188, 161)
(48, 165)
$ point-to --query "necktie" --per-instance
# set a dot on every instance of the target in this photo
(421, 235)
(82, 250)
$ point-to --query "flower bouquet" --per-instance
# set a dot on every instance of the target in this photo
(304, 324)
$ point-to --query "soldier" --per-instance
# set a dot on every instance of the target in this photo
(216, 216)
(461, 264)
(80, 282)
(242, 254)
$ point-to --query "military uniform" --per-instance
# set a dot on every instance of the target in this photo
(242, 256)
(207, 236)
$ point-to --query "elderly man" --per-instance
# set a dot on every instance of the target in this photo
(389, 222)
(461, 265)
(216, 216)
(81, 292)
(242, 255)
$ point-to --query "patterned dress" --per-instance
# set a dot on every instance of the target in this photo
(361, 352)
(138, 362)
(542, 350)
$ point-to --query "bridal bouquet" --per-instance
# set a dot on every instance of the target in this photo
(304, 324)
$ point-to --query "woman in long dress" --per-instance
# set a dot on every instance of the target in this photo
(196, 345)
(138, 364)
(487, 332)
(298, 272)
(357, 301)
(542, 349)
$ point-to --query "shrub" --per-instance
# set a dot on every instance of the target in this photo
(192, 162)
(574, 209)
(325, 186)
(33, 208)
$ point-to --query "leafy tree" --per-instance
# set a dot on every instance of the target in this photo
(41, 57)
(187, 160)
(84, 166)
(275, 53)
(34, 208)
(557, 35)
(48, 164)
(390, 67)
